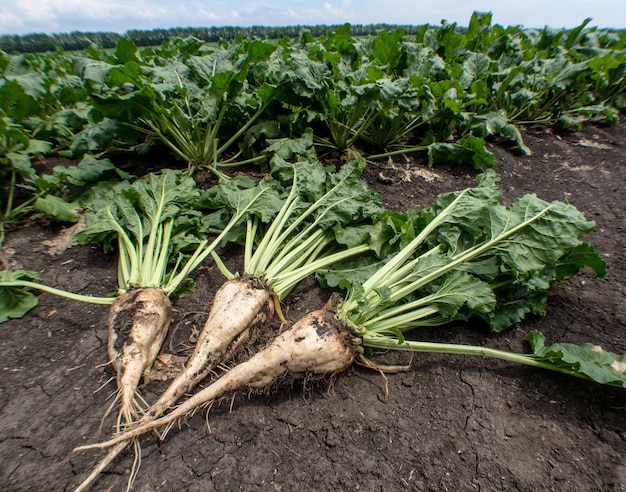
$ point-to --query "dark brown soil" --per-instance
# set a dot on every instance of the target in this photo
(449, 423)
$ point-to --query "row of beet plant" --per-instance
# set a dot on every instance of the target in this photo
(441, 92)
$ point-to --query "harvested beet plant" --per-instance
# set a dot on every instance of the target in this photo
(465, 256)
(306, 216)
(151, 221)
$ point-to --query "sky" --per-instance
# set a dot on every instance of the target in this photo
(58, 16)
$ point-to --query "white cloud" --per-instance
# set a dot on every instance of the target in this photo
(332, 11)
(26, 13)
(10, 22)
(67, 15)
(22, 16)
(210, 16)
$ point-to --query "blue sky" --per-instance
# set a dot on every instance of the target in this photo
(49, 16)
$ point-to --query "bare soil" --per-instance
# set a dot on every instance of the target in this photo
(449, 423)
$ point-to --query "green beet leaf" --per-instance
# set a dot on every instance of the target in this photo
(15, 302)
(587, 361)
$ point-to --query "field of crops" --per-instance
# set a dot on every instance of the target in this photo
(441, 92)
(457, 191)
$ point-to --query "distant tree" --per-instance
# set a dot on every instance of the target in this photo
(76, 40)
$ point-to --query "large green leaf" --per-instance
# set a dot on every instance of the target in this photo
(586, 360)
(467, 150)
(512, 254)
(288, 148)
(88, 171)
(497, 123)
(475, 67)
(20, 161)
(58, 208)
(388, 51)
(125, 50)
(15, 302)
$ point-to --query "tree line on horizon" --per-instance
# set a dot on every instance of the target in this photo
(77, 40)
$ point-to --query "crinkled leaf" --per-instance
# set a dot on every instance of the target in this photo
(461, 295)
(388, 51)
(101, 136)
(391, 230)
(349, 274)
(125, 51)
(163, 195)
(467, 150)
(92, 70)
(307, 177)
(15, 302)
(19, 97)
(497, 123)
(515, 250)
(268, 129)
(586, 360)
(355, 235)
(206, 67)
(238, 192)
(258, 51)
(511, 132)
(135, 206)
(59, 208)
(475, 66)
(89, 170)
(516, 301)
(303, 76)
(265, 206)
(100, 228)
(21, 163)
(579, 257)
(38, 147)
(557, 230)
(351, 200)
(288, 148)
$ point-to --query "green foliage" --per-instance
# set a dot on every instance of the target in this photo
(139, 218)
(64, 194)
(587, 361)
(439, 90)
(291, 231)
(469, 256)
(444, 91)
(16, 151)
(160, 232)
(15, 302)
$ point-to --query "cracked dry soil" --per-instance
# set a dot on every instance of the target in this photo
(449, 423)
